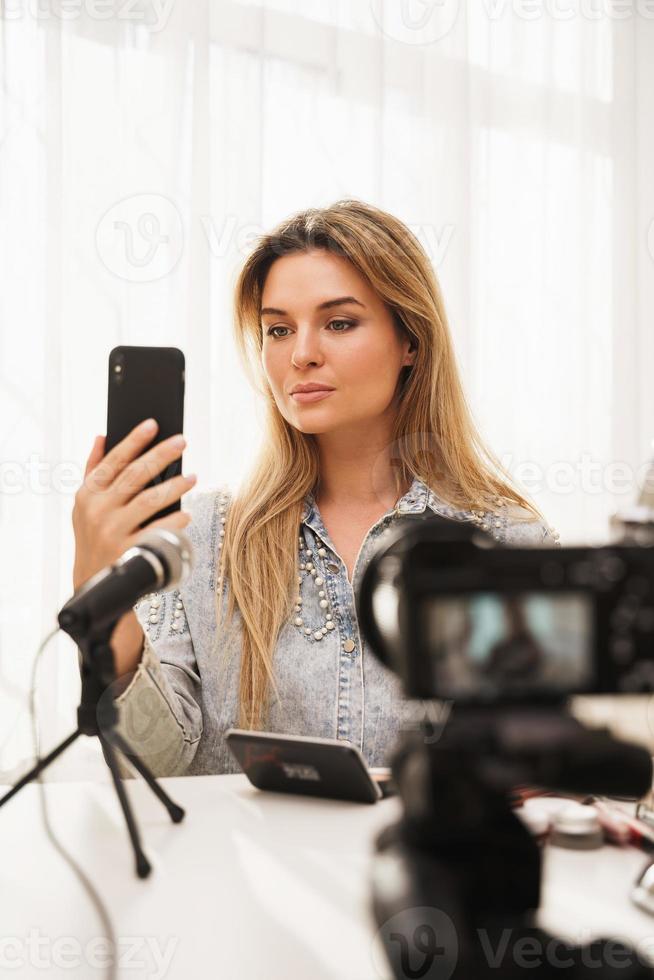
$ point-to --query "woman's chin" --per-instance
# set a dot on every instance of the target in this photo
(312, 429)
(313, 423)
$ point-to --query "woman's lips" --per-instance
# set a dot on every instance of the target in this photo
(311, 396)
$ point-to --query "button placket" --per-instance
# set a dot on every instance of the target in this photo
(341, 592)
(334, 585)
(344, 685)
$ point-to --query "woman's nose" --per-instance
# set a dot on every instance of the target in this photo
(306, 349)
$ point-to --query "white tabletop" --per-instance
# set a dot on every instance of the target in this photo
(249, 885)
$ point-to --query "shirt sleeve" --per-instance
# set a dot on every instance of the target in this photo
(159, 707)
(160, 716)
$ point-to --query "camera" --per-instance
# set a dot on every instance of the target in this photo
(461, 618)
(506, 635)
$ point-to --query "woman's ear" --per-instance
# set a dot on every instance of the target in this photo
(411, 354)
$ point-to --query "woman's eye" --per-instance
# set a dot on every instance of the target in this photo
(343, 323)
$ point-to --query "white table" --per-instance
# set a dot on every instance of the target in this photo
(249, 885)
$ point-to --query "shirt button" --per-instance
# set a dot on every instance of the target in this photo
(349, 646)
(332, 566)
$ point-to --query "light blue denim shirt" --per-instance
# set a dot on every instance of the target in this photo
(184, 694)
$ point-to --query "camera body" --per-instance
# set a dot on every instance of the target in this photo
(507, 634)
(458, 616)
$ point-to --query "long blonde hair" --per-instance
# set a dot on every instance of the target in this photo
(434, 435)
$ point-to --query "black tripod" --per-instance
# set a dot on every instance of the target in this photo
(98, 715)
(457, 880)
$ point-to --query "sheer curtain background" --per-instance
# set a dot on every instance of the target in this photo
(143, 146)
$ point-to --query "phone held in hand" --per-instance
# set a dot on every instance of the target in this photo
(147, 382)
(332, 768)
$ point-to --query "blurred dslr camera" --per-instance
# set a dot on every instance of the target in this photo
(459, 617)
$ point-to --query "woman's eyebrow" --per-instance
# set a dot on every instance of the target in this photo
(323, 306)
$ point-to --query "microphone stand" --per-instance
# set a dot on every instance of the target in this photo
(98, 715)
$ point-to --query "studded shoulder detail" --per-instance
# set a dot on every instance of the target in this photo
(166, 614)
(502, 522)
(218, 523)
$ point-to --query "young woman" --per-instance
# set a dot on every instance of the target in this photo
(263, 634)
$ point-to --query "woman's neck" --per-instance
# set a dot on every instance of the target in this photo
(357, 471)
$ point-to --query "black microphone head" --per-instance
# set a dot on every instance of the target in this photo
(173, 549)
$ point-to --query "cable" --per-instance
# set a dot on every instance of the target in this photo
(86, 883)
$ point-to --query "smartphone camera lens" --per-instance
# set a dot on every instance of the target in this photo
(118, 369)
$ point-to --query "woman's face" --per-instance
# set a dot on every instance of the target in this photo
(322, 322)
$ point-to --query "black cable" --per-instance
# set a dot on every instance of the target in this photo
(86, 883)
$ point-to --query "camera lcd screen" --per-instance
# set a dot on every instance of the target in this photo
(487, 645)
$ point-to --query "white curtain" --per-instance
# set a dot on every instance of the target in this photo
(142, 145)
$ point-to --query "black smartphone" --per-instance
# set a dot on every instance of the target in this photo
(147, 382)
(328, 767)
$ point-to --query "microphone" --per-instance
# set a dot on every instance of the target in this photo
(160, 559)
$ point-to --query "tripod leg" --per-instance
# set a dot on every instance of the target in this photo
(40, 766)
(175, 811)
(143, 866)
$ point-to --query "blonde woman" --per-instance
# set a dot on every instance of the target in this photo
(264, 634)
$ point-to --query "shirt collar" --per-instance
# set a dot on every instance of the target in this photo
(414, 501)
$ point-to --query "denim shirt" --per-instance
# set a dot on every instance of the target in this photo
(184, 694)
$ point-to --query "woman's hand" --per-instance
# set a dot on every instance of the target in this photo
(109, 508)
(111, 502)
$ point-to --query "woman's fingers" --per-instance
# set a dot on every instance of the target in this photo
(96, 454)
(121, 455)
(145, 468)
(174, 522)
(154, 499)
(112, 503)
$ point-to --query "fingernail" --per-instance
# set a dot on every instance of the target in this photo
(178, 442)
(149, 425)
(191, 477)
